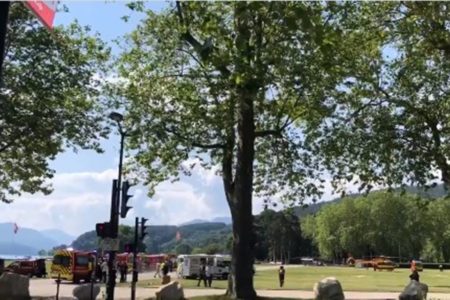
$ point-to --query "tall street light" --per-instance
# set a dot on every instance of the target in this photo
(118, 118)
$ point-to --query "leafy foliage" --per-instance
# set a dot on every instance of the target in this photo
(390, 123)
(279, 237)
(49, 99)
(382, 223)
(235, 85)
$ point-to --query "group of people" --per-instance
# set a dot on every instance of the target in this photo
(162, 269)
(205, 275)
(102, 270)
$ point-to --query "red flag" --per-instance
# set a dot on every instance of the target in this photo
(178, 236)
(16, 228)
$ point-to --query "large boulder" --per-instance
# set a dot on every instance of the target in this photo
(165, 279)
(424, 289)
(328, 289)
(14, 287)
(414, 291)
(170, 291)
(83, 292)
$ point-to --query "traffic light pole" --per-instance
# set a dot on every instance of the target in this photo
(115, 202)
(114, 221)
(135, 273)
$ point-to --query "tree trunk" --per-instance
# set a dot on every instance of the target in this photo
(240, 190)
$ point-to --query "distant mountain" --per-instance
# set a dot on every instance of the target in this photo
(430, 193)
(25, 242)
(195, 221)
(225, 220)
(163, 238)
(59, 236)
(17, 249)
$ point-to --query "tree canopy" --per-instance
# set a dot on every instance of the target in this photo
(237, 85)
(391, 122)
(381, 223)
(49, 99)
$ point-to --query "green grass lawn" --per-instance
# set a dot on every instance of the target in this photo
(228, 298)
(352, 279)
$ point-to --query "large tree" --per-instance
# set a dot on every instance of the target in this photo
(234, 85)
(48, 99)
(391, 123)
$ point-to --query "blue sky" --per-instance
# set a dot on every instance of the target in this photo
(82, 184)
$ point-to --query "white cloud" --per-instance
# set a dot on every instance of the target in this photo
(208, 176)
(81, 199)
(179, 202)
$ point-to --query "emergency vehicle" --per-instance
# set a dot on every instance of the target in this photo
(221, 266)
(72, 265)
(29, 268)
(144, 262)
(189, 265)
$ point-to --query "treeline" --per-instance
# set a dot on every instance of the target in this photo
(382, 223)
(278, 237)
(193, 238)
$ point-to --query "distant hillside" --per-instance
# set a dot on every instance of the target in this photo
(431, 193)
(59, 236)
(163, 238)
(226, 220)
(201, 233)
(27, 241)
(17, 249)
(435, 192)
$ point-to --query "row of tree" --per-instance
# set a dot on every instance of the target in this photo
(382, 223)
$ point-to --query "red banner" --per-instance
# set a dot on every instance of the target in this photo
(44, 10)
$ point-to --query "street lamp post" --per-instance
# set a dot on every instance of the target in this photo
(118, 118)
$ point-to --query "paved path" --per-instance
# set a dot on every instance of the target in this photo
(47, 287)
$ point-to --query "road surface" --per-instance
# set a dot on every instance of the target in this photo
(47, 288)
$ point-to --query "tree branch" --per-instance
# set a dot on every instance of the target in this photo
(264, 133)
(203, 50)
(195, 144)
(210, 146)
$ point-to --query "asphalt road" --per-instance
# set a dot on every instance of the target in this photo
(47, 288)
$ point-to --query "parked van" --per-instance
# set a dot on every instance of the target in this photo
(189, 265)
(221, 266)
(72, 265)
(28, 267)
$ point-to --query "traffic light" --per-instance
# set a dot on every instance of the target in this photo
(125, 197)
(143, 228)
(103, 229)
(129, 248)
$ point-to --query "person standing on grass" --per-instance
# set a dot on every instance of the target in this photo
(413, 265)
(202, 274)
(208, 274)
(414, 276)
(281, 274)
(104, 270)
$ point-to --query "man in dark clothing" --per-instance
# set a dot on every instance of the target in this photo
(165, 268)
(122, 271)
(202, 275)
(281, 273)
(98, 271)
(414, 276)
